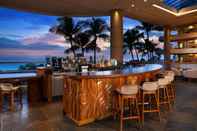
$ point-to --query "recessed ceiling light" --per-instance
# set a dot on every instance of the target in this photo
(132, 5)
(190, 27)
(196, 41)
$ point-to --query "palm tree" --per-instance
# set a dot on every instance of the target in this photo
(146, 27)
(69, 29)
(159, 52)
(83, 41)
(97, 28)
(149, 47)
(131, 40)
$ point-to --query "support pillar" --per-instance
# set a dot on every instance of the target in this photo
(117, 35)
(167, 47)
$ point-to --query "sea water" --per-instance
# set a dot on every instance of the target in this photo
(13, 66)
(10, 66)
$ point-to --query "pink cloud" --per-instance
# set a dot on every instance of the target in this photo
(155, 40)
(48, 38)
(25, 52)
(103, 44)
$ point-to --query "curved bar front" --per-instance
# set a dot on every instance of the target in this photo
(88, 96)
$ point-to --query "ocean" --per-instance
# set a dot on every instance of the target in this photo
(7, 64)
(12, 66)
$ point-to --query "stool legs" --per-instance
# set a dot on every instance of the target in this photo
(20, 96)
(158, 102)
(152, 103)
(1, 101)
(164, 97)
(115, 106)
(138, 111)
(11, 101)
(121, 112)
(134, 110)
(172, 92)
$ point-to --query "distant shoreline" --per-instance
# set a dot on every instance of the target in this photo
(14, 66)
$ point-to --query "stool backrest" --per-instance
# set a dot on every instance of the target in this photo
(129, 89)
(170, 77)
(170, 72)
(150, 85)
(163, 81)
(6, 86)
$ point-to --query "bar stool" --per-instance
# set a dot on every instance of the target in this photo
(150, 97)
(171, 87)
(164, 93)
(128, 100)
(7, 89)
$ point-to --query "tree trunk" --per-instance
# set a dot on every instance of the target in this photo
(73, 50)
(136, 55)
(82, 51)
(132, 56)
(147, 34)
(95, 46)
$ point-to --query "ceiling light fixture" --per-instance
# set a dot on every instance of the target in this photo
(132, 3)
(196, 41)
(190, 27)
(174, 13)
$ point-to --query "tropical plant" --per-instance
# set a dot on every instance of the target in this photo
(146, 27)
(159, 52)
(149, 48)
(83, 42)
(132, 43)
(97, 28)
(69, 29)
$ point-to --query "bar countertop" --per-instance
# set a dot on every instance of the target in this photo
(115, 73)
(17, 75)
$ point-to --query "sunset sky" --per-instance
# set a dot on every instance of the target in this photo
(25, 36)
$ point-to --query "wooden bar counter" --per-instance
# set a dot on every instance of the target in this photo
(88, 96)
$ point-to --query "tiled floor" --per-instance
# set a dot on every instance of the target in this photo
(48, 117)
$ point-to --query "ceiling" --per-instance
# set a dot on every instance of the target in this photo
(137, 9)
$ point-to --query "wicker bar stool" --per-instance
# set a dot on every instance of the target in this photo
(128, 104)
(150, 98)
(164, 92)
(7, 89)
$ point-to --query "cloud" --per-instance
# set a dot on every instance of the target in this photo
(155, 40)
(10, 47)
(10, 35)
(103, 44)
(48, 38)
(6, 43)
(29, 52)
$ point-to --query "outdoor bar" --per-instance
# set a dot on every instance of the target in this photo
(88, 96)
(102, 70)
